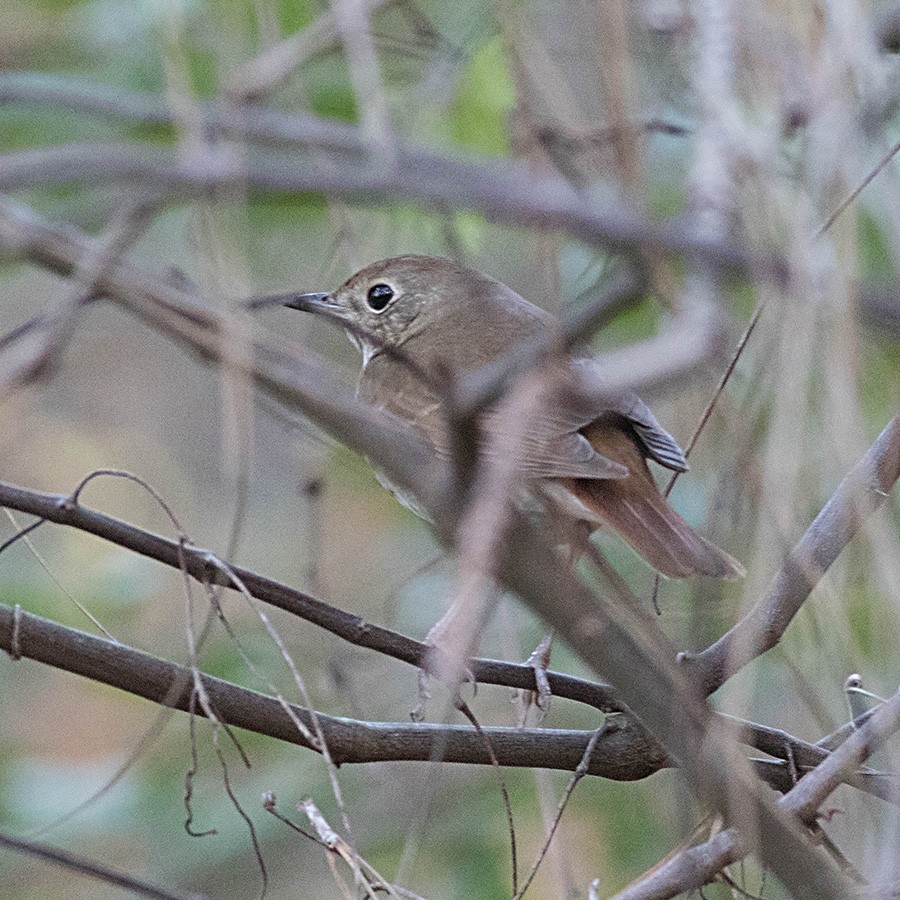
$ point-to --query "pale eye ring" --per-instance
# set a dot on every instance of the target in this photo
(379, 296)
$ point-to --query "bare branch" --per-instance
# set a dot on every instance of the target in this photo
(695, 866)
(621, 753)
(861, 492)
(349, 627)
(646, 753)
(91, 869)
(267, 71)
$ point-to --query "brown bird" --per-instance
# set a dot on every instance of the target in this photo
(442, 316)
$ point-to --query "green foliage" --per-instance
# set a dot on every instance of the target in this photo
(483, 102)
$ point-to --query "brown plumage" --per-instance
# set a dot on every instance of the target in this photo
(635, 508)
(592, 452)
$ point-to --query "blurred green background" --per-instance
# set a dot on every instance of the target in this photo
(812, 391)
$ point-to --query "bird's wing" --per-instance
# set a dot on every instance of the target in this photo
(552, 446)
(591, 403)
(565, 455)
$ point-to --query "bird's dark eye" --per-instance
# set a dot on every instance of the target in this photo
(379, 296)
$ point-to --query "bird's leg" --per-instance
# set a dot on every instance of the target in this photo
(539, 698)
(539, 660)
(452, 640)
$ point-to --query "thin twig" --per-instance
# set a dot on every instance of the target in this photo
(91, 869)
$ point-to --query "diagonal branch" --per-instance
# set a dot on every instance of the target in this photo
(693, 867)
(861, 492)
(348, 626)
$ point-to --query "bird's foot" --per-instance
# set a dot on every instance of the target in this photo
(444, 661)
(538, 699)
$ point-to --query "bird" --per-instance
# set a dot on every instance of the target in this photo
(415, 314)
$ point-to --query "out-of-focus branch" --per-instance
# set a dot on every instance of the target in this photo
(623, 751)
(862, 491)
(504, 192)
(303, 381)
(507, 192)
(693, 867)
(267, 71)
(888, 30)
(630, 650)
(91, 869)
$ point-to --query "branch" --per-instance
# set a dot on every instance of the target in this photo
(509, 192)
(693, 867)
(347, 626)
(624, 752)
(861, 492)
(646, 754)
(91, 869)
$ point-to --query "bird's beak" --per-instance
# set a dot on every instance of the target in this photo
(313, 303)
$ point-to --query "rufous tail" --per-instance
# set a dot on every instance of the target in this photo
(634, 507)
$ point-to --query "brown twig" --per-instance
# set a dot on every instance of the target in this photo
(92, 869)
(695, 866)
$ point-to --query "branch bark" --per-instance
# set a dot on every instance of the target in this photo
(861, 492)
(347, 626)
(624, 751)
(645, 756)
(693, 867)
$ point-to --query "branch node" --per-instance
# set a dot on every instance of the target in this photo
(15, 645)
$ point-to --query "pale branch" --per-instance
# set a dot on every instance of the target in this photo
(628, 649)
(276, 64)
(812, 790)
(783, 776)
(496, 194)
(506, 192)
(861, 492)
(692, 867)
(625, 751)
(300, 380)
(296, 377)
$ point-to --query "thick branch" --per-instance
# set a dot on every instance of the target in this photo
(356, 631)
(862, 491)
(623, 751)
